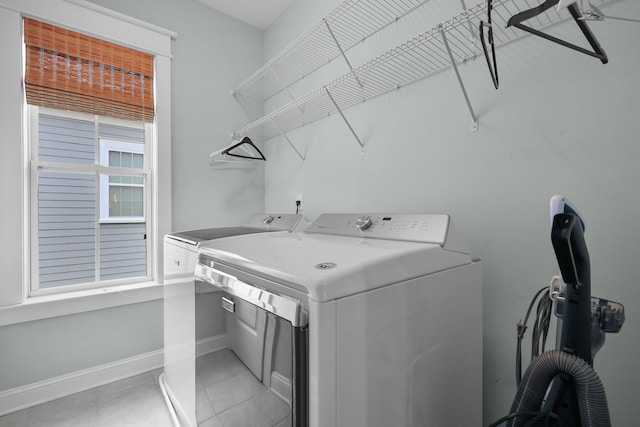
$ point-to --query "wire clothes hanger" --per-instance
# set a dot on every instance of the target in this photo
(518, 19)
(491, 62)
(249, 152)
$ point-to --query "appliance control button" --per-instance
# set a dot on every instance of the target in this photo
(268, 219)
(363, 222)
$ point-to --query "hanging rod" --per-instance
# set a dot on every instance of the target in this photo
(352, 22)
(412, 61)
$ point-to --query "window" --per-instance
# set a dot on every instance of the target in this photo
(17, 302)
(88, 200)
(90, 112)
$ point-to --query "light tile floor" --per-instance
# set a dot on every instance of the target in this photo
(134, 401)
(228, 395)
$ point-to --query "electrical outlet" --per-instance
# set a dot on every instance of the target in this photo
(299, 202)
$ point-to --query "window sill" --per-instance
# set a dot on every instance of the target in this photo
(43, 307)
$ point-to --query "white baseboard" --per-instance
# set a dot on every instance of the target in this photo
(22, 397)
(29, 395)
(211, 344)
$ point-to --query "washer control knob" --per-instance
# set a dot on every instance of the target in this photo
(268, 219)
(363, 222)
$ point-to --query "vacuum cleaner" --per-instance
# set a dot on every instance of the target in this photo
(560, 387)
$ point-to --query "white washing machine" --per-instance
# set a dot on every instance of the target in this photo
(376, 319)
(193, 325)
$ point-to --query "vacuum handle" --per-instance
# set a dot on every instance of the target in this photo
(573, 259)
(570, 248)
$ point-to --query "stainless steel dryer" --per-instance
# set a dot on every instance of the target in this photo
(193, 324)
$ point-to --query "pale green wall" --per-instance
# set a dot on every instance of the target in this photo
(561, 122)
(211, 54)
(38, 350)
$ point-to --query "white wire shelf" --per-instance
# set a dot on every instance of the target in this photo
(352, 22)
(423, 56)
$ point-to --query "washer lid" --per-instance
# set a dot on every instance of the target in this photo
(194, 237)
(256, 223)
(328, 267)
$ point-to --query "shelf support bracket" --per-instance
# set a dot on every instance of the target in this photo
(345, 119)
(474, 124)
(471, 30)
(284, 87)
(344, 55)
(287, 139)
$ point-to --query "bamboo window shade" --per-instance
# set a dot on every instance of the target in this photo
(72, 71)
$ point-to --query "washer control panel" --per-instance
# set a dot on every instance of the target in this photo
(284, 222)
(427, 228)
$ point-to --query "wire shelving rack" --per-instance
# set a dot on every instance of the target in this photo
(349, 24)
(445, 46)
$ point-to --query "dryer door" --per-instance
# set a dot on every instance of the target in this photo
(268, 334)
(246, 331)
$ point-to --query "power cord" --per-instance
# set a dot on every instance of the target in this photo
(297, 206)
(533, 418)
(540, 328)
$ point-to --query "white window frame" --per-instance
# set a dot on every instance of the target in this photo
(16, 305)
(101, 172)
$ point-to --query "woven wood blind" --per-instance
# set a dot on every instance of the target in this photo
(72, 71)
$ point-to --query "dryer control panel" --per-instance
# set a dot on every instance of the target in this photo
(426, 228)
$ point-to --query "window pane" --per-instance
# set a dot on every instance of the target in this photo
(114, 158)
(126, 200)
(120, 133)
(126, 160)
(123, 251)
(115, 179)
(66, 228)
(114, 201)
(77, 244)
(137, 206)
(138, 161)
(66, 140)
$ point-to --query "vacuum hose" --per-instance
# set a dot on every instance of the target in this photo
(592, 400)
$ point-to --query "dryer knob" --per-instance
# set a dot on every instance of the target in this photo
(363, 222)
(268, 219)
